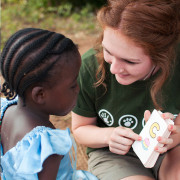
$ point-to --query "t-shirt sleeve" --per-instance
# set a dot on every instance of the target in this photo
(85, 105)
(176, 79)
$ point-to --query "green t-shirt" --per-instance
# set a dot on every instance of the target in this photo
(121, 105)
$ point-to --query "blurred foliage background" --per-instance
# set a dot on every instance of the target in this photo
(71, 15)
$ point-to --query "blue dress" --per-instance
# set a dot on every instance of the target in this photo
(25, 160)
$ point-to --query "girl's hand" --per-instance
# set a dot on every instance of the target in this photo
(121, 140)
(165, 143)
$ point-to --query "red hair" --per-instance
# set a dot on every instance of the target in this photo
(153, 25)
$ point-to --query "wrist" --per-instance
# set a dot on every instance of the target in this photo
(108, 135)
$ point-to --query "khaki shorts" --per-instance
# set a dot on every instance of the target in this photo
(106, 165)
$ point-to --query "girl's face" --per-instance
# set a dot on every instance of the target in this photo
(128, 62)
(62, 97)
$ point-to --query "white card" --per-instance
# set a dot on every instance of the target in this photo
(155, 126)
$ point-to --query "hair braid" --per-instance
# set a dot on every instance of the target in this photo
(25, 52)
(39, 58)
(8, 45)
(7, 91)
(8, 87)
(14, 50)
(33, 79)
(65, 44)
(29, 57)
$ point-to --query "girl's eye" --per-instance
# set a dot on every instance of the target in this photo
(74, 86)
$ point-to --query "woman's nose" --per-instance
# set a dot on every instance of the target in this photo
(116, 66)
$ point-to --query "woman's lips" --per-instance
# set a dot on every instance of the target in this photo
(122, 75)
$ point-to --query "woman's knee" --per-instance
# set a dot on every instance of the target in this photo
(170, 167)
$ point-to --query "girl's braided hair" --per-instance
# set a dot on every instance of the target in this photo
(28, 57)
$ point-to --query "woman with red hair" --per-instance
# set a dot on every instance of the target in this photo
(134, 68)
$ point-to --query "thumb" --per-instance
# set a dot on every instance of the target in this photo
(147, 115)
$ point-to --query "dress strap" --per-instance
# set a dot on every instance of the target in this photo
(1, 154)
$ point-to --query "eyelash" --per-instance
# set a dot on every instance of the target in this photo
(129, 62)
(74, 86)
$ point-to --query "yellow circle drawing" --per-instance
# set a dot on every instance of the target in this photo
(154, 125)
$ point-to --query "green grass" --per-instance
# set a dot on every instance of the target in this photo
(15, 16)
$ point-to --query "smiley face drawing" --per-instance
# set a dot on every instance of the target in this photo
(151, 130)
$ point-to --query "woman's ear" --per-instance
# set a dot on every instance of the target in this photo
(38, 94)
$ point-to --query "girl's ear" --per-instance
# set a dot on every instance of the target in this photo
(38, 94)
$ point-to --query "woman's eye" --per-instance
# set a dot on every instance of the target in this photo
(129, 62)
(106, 51)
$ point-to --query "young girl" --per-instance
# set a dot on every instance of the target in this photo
(41, 67)
(135, 68)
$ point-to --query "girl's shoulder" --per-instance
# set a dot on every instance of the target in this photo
(28, 155)
(5, 104)
(44, 137)
(16, 123)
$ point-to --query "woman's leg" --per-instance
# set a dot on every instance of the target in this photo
(170, 167)
(107, 165)
(138, 178)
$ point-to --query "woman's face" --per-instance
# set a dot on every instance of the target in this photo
(128, 62)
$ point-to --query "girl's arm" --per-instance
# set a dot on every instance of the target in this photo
(50, 167)
(86, 132)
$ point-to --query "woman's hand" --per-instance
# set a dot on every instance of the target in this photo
(166, 143)
(121, 140)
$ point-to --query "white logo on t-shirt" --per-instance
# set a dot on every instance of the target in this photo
(106, 117)
(128, 121)
(143, 122)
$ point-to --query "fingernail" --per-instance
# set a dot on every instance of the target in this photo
(139, 138)
(156, 148)
(159, 138)
(171, 127)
